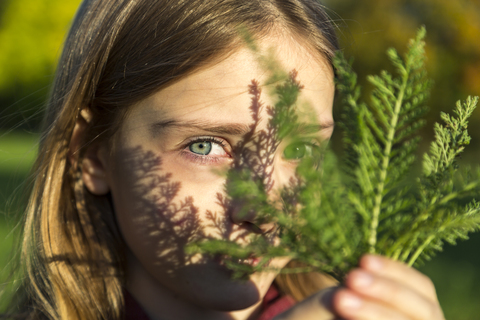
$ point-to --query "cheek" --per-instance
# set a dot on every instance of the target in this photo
(161, 206)
(284, 171)
(196, 177)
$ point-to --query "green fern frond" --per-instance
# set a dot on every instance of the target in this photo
(365, 201)
(392, 118)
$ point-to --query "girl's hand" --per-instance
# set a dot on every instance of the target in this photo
(379, 289)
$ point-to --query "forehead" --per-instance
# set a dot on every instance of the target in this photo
(220, 90)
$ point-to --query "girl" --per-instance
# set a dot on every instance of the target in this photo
(149, 102)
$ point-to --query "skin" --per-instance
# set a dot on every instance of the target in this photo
(152, 153)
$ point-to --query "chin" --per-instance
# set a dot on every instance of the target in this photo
(213, 287)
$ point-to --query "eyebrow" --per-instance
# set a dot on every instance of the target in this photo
(313, 128)
(234, 129)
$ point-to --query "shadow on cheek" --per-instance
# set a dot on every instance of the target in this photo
(157, 223)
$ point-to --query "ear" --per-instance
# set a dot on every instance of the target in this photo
(94, 160)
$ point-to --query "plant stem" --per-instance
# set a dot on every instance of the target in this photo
(420, 249)
(396, 254)
(372, 241)
(468, 187)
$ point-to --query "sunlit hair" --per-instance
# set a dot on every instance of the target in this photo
(117, 53)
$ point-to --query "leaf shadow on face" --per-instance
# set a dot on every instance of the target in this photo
(165, 221)
(169, 222)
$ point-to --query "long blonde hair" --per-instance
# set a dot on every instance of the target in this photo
(117, 53)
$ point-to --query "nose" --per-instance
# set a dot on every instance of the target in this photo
(250, 219)
(262, 197)
(242, 213)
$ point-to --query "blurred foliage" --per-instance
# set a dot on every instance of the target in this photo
(17, 152)
(31, 34)
(368, 27)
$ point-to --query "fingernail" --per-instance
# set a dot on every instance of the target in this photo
(362, 279)
(350, 302)
(374, 263)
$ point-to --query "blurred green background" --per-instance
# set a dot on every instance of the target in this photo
(31, 33)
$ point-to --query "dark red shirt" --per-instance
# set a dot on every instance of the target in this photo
(272, 305)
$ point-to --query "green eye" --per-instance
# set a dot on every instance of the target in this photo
(201, 147)
(296, 151)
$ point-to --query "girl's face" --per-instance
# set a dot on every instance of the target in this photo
(163, 173)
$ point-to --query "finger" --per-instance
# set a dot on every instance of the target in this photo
(353, 307)
(400, 272)
(315, 307)
(393, 294)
